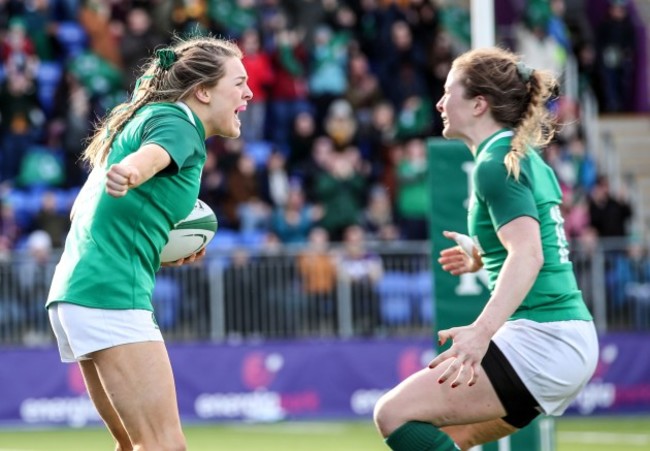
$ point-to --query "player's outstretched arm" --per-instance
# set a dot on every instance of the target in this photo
(135, 169)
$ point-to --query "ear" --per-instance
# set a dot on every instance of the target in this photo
(202, 94)
(480, 105)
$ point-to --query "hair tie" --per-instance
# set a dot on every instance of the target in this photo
(166, 58)
(524, 71)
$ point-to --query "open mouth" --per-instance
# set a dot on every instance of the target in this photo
(239, 110)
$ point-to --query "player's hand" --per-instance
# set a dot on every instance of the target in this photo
(460, 259)
(466, 353)
(183, 261)
(119, 178)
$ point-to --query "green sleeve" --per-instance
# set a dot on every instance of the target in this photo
(177, 136)
(505, 197)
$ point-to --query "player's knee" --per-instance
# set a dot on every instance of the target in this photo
(387, 418)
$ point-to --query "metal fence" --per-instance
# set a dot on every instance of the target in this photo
(301, 293)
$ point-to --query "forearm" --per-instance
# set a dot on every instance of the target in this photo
(513, 284)
(146, 162)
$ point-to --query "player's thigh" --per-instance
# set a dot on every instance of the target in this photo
(421, 398)
(467, 436)
(138, 379)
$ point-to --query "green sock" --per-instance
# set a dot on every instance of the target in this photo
(419, 436)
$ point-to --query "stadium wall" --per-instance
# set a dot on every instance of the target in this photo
(290, 380)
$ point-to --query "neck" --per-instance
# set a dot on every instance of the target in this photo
(480, 133)
(201, 111)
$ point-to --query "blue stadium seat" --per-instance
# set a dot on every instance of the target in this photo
(166, 299)
(422, 290)
(48, 76)
(72, 37)
(259, 151)
(224, 240)
(395, 299)
(253, 239)
(25, 206)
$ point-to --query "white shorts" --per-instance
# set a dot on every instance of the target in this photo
(554, 360)
(81, 330)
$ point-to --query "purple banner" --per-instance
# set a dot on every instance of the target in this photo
(300, 380)
(621, 383)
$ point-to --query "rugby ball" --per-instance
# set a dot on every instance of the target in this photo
(191, 234)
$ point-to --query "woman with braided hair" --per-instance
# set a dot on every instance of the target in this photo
(146, 159)
(534, 345)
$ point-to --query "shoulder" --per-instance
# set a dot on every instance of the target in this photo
(491, 165)
(166, 115)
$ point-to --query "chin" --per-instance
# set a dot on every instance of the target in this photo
(449, 133)
(233, 133)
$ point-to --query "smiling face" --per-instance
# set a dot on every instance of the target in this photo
(230, 96)
(456, 110)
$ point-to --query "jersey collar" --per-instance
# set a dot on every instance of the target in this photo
(489, 141)
(194, 119)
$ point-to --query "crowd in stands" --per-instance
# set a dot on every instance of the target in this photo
(335, 136)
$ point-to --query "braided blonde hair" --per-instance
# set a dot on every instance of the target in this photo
(517, 96)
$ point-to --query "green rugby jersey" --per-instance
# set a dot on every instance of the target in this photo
(497, 199)
(112, 251)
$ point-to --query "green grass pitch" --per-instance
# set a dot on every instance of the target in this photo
(573, 434)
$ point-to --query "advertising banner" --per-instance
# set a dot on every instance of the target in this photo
(289, 381)
(269, 382)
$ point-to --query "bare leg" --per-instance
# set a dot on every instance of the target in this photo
(421, 398)
(104, 406)
(469, 435)
(139, 383)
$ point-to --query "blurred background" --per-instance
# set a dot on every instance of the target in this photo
(318, 291)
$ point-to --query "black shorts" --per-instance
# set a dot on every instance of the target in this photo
(521, 407)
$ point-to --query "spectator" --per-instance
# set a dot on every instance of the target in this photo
(34, 278)
(341, 125)
(136, 44)
(274, 180)
(327, 75)
(616, 48)
(310, 170)
(74, 110)
(243, 206)
(292, 221)
(21, 119)
(362, 270)
(609, 214)
(363, 89)
(413, 191)
(537, 47)
(98, 22)
(260, 79)
(403, 66)
(378, 214)
(17, 50)
(317, 272)
(52, 219)
(232, 17)
(301, 141)
(289, 92)
(340, 189)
